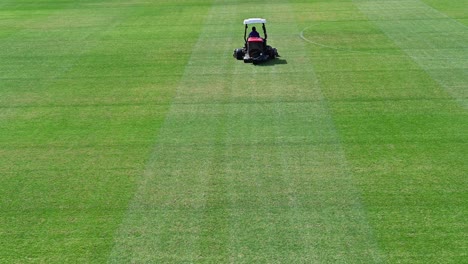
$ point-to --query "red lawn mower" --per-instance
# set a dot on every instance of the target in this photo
(255, 49)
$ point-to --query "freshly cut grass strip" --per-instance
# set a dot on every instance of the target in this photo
(247, 166)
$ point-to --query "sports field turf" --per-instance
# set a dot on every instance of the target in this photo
(129, 134)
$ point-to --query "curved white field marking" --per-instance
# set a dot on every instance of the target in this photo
(320, 44)
(342, 49)
(301, 35)
(338, 48)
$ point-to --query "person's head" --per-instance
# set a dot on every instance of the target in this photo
(254, 29)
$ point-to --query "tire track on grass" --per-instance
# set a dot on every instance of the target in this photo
(311, 209)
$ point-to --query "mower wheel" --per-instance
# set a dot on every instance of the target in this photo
(272, 52)
(239, 54)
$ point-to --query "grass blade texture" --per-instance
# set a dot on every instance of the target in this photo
(84, 86)
(394, 74)
(248, 166)
(129, 134)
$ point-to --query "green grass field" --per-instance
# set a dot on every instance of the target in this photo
(129, 134)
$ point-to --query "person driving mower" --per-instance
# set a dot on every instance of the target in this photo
(254, 33)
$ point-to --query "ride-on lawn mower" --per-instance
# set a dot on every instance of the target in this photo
(255, 49)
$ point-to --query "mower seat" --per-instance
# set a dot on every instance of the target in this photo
(255, 46)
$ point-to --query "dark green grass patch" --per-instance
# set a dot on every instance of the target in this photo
(83, 91)
(402, 120)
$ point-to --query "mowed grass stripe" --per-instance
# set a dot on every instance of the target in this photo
(402, 132)
(419, 147)
(435, 41)
(83, 90)
(147, 234)
(248, 166)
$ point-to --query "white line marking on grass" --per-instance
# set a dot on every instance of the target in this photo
(326, 46)
(303, 37)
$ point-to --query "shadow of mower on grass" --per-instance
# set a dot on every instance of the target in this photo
(273, 62)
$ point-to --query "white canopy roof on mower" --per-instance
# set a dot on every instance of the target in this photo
(254, 21)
